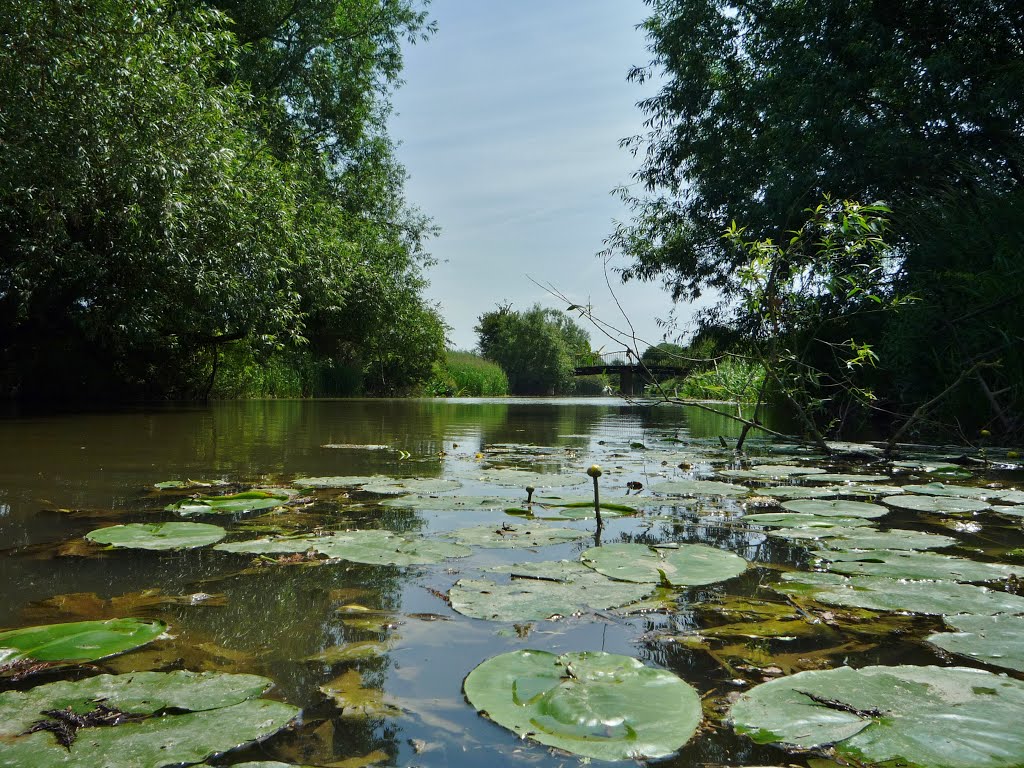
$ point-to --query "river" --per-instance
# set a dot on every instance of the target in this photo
(62, 476)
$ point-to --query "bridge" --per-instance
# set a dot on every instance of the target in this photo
(632, 374)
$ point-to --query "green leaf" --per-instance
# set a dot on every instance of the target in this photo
(541, 591)
(995, 640)
(510, 535)
(79, 640)
(882, 594)
(597, 705)
(158, 536)
(836, 508)
(698, 488)
(228, 505)
(206, 714)
(897, 564)
(934, 717)
(939, 504)
(679, 565)
(375, 547)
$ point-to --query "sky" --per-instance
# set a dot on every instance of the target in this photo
(509, 122)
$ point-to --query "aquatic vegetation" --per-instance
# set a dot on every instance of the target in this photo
(938, 717)
(667, 564)
(376, 547)
(158, 536)
(597, 705)
(231, 504)
(77, 641)
(996, 640)
(511, 535)
(144, 718)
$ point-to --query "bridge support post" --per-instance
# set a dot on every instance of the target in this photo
(627, 382)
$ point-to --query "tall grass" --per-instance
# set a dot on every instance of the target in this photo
(731, 379)
(465, 374)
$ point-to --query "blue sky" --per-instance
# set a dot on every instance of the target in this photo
(509, 123)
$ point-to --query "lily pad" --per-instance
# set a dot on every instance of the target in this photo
(375, 547)
(798, 492)
(212, 713)
(798, 520)
(698, 488)
(509, 535)
(175, 485)
(78, 640)
(158, 536)
(770, 472)
(451, 503)
(521, 478)
(401, 486)
(542, 591)
(938, 717)
(339, 481)
(597, 705)
(940, 598)
(228, 505)
(867, 539)
(678, 565)
(897, 564)
(837, 508)
(950, 505)
(953, 491)
(831, 477)
(995, 640)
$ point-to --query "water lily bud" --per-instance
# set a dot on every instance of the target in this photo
(594, 471)
(985, 433)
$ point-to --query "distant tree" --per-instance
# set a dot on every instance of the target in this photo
(535, 348)
(664, 354)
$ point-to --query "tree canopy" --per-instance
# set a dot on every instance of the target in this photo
(767, 107)
(535, 348)
(177, 176)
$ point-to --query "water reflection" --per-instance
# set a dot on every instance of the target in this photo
(61, 477)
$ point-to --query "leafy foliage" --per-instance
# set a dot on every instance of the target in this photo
(179, 178)
(766, 107)
(535, 348)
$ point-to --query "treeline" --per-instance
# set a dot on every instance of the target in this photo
(196, 194)
(777, 128)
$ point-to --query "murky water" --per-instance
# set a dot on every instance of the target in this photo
(63, 476)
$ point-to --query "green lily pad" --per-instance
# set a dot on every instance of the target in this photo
(597, 705)
(678, 565)
(866, 489)
(938, 598)
(158, 536)
(837, 508)
(806, 521)
(698, 488)
(521, 478)
(898, 564)
(339, 481)
(831, 477)
(398, 487)
(451, 503)
(175, 485)
(953, 491)
(770, 472)
(228, 505)
(510, 536)
(995, 640)
(542, 591)
(938, 717)
(1010, 496)
(375, 547)
(950, 505)
(204, 715)
(78, 640)
(583, 510)
(798, 492)
(868, 539)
